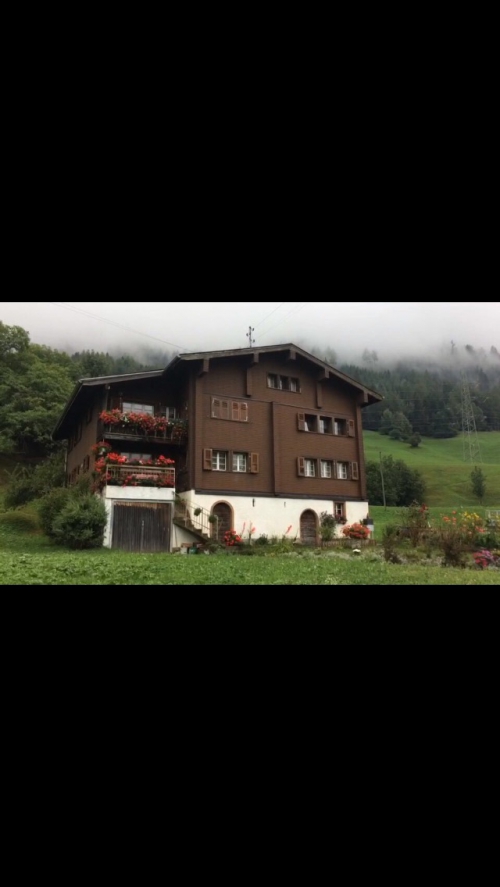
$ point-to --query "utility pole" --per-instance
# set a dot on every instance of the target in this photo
(382, 476)
(469, 430)
(251, 329)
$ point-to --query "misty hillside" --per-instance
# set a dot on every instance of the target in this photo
(421, 397)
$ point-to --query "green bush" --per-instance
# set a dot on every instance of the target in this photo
(19, 491)
(51, 506)
(81, 523)
(26, 484)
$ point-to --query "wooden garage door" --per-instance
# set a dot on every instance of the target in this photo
(138, 527)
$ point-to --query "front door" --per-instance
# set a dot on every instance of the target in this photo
(224, 513)
(308, 528)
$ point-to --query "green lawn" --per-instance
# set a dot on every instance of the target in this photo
(442, 464)
(27, 558)
(110, 568)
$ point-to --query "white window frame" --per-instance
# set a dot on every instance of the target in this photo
(310, 467)
(342, 470)
(240, 463)
(326, 464)
(219, 460)
(129, 407)
(144, 457)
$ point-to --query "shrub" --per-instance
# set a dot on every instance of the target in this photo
(262, 540)
(415, 519)
(389, 544)
(51, 506)
(26, 484)
(20, 491)
(81, 523)
(356, 531)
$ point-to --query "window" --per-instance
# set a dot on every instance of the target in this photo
(143, 457)
(138, 408)
(342, 470)
(219, 460)
(310, 467)
(282, 383)
(235, 410)
(325, 425)
(340, 426)
(339, 510)
(326, 468)
(240, 462)
(220, 408)
(169, 412)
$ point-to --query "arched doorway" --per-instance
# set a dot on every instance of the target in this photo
(224, 514)
(309, 527)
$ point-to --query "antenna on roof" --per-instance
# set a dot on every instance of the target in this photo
(251, 329)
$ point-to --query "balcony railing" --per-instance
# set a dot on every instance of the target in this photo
(142, 426)
(140, 476)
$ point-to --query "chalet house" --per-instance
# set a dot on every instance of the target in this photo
(266, 438)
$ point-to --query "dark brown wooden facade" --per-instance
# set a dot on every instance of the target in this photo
(260, 422)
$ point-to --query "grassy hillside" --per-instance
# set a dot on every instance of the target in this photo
(442, 464)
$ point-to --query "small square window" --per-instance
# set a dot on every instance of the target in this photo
(310, 467)
(342, 470)
(325, 425)
(326, 468)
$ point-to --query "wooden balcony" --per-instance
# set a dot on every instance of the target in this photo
(174, 433)
(140, 476)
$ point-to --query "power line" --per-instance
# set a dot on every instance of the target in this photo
(294, 311)
(269, 315)
(119, 325)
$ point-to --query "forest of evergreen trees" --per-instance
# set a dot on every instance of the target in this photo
(423, 399)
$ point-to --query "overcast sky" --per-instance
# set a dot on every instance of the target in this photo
(393, 329)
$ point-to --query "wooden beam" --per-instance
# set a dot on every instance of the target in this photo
(319, 395)
(291, 354)
(255, 358)
(323, 375)
(205, 367)
(249, 381)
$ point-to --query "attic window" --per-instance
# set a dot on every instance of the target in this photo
(282, 383)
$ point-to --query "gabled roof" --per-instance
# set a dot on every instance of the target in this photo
(269, 349)
(100, 380)
(371, 396)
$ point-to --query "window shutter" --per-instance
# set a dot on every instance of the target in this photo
(207, 460)
(254, 463)
(350, 428)
(354, 471)
(235, 411)
(216, 412)
(243, 412)
(301, 466)
(301, 422)
(224, 409)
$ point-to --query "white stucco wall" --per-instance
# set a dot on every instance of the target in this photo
(270, 515)
(132, 494)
